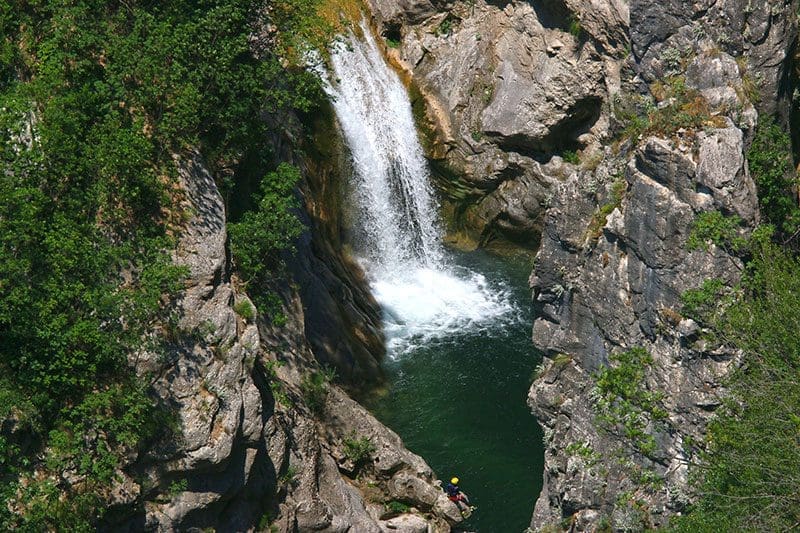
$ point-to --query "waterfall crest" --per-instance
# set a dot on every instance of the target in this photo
(398, 232)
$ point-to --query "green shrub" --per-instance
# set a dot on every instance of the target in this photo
(571, 156)
(699, 304)
(625, 406)
(395, 507)
(770, 161)
(288, 477)
(358, 450)
(715, 228)
(178, 486)
(445, 27)
(314, 387)
(270, 228)
(680, 107)
(487, 94)
(574, 27)
(264, 521)
(245, 309)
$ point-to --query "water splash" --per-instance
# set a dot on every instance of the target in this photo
(398, 233)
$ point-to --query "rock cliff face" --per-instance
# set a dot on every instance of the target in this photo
(605, 292)
(505, 87)
(511, 90)
(527, 113)
(261, 443)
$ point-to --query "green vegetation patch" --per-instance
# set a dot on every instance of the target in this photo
(95, 98)
(672, 107)
(712, 227)
(359, 450)
(624, 404)
(315, 386)
(748, 469)
(614, 201)
(770, 160)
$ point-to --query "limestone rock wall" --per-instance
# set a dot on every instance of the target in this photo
(509, 90)
(505, 86)
(249, 453)
(605, 292)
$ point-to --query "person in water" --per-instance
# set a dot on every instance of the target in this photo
(456, 496)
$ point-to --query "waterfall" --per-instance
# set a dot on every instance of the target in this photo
(398, 232)
(398, 225)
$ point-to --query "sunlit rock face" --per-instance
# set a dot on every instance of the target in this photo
(510, 91)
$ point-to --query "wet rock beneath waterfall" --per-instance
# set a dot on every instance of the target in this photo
(317, 484)
(505, 85)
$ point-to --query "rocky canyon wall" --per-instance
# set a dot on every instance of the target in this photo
(264, 436)
(590, 134)
(595, 133)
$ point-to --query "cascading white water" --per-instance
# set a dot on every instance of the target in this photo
(398, 230)
(398, 221)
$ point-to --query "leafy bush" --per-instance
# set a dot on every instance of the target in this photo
(314, 387)
(699, 304)
(445, 27)
(358, 450)
(749, 471)
(571, 156)
(261, 234)
(87, 192)
(712, 227)
(624, 404)
(395, 507)
(770, 161)
(574, 27)
(245, 309)
(288, 477)
(178, 486)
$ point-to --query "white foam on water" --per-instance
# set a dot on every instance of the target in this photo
(398, 233)
(425, 305)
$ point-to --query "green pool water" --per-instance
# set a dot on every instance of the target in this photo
(460, 402)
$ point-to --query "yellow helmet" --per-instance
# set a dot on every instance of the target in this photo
(454, 481)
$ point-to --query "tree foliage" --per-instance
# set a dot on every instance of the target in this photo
(770, 162)
(749, 474)
(712, 227)
(262, 233)
(95, 98)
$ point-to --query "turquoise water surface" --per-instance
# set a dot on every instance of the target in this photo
(459, 401)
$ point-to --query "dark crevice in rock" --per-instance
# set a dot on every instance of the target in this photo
(788, 82)
(552, 14)
(392, 32)
(561, 137)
